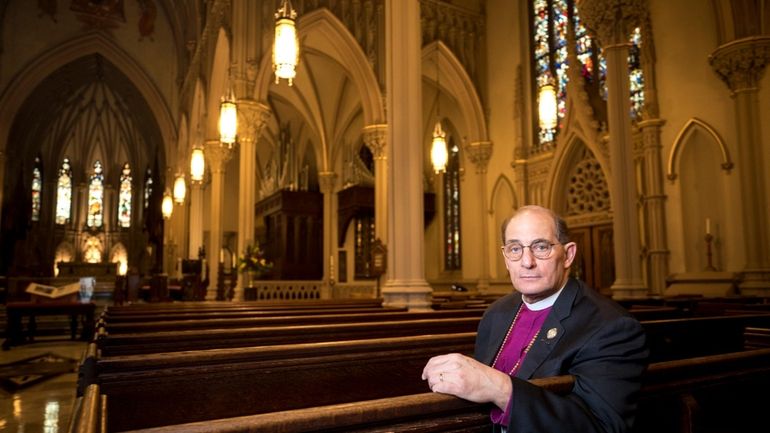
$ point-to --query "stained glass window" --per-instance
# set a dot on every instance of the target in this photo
(550, 21)
(147, 188)
(96, 197)
(124, 197)
(635, 74)
(64, 193)
(452, 256)
(37, 189)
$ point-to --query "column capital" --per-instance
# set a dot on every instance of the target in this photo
(252, 117)
(612, 20)
(326, 180)
(375, 137)
(740, 63)
(479, 153)
(217, 155)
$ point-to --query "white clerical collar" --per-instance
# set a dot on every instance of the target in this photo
(544, 303)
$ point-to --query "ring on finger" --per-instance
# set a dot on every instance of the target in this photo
(441, 377)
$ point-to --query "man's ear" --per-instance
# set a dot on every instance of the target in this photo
(570, 250)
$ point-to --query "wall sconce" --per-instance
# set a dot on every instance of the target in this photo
(286, 43)
(167, 205)
(180, 189)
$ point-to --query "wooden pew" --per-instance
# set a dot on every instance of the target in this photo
(89, 413)
(151, 390)
(225, 306)
(294, 319)
(705, 394)
(200, 339)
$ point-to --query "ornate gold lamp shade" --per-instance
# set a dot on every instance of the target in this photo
(286, 43)
(180, 189)
(197, 165)
(167, 205)
(547, 106)
(438, 151)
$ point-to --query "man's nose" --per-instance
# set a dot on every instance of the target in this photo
(527, 259)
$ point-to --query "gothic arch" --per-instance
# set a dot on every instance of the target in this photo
(683, 137)
(567, 155)
(454, 81)
(218, 83)
(48, 62)
(329, 36)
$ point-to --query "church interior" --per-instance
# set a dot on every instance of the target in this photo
(268, 153)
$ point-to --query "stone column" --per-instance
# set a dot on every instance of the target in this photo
(405, 282)
(612, 21)
(196, 218)
(252, 117)
(326, 182)
(655, 206)
(740, 64)
(375, 137)
(217, 157)
(479, 153)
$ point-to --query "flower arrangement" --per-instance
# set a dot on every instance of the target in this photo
(253, 260)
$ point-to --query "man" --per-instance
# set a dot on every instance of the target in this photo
(562, 327)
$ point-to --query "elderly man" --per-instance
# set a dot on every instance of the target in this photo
(551, 325)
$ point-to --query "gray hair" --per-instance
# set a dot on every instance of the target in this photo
(560, 226)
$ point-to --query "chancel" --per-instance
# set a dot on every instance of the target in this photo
(236, 164)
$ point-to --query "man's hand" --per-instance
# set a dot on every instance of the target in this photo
(467, 378)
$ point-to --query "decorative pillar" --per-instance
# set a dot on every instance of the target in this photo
(405, 281)
(654, 206)
(252, 117)
(326, 182)
(196, 219)
(740, 64)
(217, 157)
(479, 153)
(612, 21)
(375, 137)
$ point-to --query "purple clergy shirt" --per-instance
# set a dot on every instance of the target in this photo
(528, 323)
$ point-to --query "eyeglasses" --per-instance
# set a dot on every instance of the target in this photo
(540, 249)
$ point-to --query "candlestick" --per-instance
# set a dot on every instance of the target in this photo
(709, 238)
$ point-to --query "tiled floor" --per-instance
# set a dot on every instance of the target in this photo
(43, 407)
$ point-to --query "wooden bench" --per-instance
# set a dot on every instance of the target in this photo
(151, 390)
(16, 311)
(199, 339)
(249, 321)
(704, 394)
(188, 315)
(225, 306)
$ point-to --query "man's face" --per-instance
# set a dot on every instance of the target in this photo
(537, 278)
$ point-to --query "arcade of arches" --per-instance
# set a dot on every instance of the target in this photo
(656, 160)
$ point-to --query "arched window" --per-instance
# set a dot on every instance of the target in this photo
(452, 256)
(37, 188)
(147, 188)
(124, 197)
(64, 193)
(96, 197)
(551, 20)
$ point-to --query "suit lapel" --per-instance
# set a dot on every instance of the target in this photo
(502, 325)
(551, 332)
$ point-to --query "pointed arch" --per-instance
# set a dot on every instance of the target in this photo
(683, 137)
(572, 142)
(217, 83)
(27, 80)
(328, 35)
(455, 82)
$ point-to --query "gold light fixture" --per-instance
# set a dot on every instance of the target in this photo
(197, 165)
(180, 189)
(228, 117)
(438, 151)
(167, 205)
(286, 43)
(548, 106)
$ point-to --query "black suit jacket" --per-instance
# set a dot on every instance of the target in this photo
(595, 340)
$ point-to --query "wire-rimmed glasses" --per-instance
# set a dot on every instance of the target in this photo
(541, 249)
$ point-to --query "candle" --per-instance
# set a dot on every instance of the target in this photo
(708, 226)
